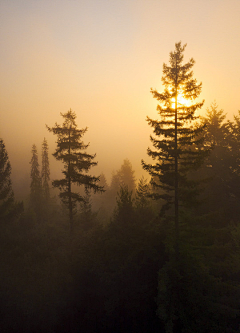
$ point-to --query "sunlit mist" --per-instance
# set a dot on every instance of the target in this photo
(181, 101)
(119, 210)
(100, 58)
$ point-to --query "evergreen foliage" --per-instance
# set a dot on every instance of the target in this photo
(45, 174)
(36, 184)
(178, 144)
(77, 162)
(6, 192)
(120, 271)
(142, 193)
(216, 129)
(123, 177)
(124, 209)
(221, 167)
(126, 175)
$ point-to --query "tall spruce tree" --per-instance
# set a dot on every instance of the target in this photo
(6, 192)
(178, 142)
(45, 174)
(77, 162)
(36, 184)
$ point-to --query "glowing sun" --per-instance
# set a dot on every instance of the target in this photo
(181, 101)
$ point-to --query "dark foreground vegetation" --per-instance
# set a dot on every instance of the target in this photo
(157, 255)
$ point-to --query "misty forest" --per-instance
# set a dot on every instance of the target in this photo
(155, 254)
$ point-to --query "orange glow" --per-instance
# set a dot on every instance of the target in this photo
(100, 58)
(181, 101)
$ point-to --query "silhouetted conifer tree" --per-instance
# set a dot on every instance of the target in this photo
(123, 177)
(45, 170)
(72, 152)
(178, 145)
(216, 127)
(6, 192)
(36, 184)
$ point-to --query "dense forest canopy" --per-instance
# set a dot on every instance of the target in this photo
(156, 254)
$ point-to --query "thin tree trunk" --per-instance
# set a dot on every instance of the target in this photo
(70, 187)
(176, 185)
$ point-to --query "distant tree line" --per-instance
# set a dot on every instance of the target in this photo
(158, 254)
(39, 186)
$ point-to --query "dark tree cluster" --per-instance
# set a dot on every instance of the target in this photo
(158, 254)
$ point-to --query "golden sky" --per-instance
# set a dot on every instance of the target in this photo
(101, 58)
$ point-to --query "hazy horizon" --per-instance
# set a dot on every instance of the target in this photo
(100, 59)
